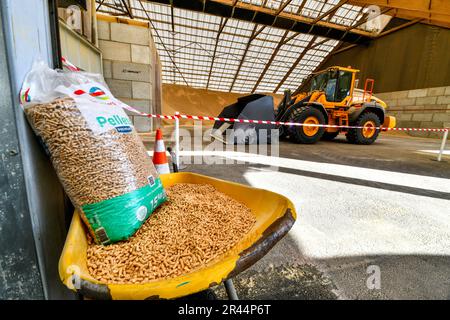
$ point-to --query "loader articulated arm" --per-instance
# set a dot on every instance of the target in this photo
(288, 105)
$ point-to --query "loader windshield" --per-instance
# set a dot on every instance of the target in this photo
(336, 84)
(319, 82)
(325, 82)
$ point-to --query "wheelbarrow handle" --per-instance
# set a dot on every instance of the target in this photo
(231, 290)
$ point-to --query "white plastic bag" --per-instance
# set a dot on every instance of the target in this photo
(98, 156)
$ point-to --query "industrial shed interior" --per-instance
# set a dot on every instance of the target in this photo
(320, 126)
(270, 46)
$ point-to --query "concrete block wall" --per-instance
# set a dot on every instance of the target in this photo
(128, 66)
(420, 108)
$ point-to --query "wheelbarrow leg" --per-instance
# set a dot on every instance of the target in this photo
(231, 291)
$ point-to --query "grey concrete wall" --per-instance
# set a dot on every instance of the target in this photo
(128, 67)
(420, 108)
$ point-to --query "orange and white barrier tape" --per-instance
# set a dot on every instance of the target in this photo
(70, 66)
(281, 123)
(208, 118)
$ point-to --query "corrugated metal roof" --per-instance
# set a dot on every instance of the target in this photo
(212, 52)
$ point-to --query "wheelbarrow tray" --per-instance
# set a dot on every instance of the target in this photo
(275, 215)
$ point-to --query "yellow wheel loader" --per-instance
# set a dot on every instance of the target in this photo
(333, 99)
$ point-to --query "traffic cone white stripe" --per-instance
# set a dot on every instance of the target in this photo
(162, 168)
(159, 146)
(159, 154)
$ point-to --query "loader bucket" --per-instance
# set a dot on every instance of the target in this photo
(254, 107)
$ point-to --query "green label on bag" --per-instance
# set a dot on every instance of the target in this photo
(120, 217)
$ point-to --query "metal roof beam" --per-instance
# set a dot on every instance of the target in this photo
(128, 9)
(269, 63)
(283, 6)
(172, 18)
(318, 68)
(294, 65)
(99, 5)
(299, 11)
(269, 17)
(223, 22)
(332, 10)
(283, 41)
(121, 11)
(252, 37)
(162, 43)
(300, 8)
(243, 56)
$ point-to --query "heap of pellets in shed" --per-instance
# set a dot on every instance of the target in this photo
(195, 226)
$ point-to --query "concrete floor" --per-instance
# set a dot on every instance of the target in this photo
(385, 205)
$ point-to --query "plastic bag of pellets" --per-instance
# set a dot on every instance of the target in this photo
(98, 156)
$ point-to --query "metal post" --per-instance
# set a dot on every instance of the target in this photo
(231, 291)
(444, 140)
(177, 140)
(94, 32)
(173, 159)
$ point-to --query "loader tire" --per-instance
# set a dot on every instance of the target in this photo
(282, 132)
(308, 134)
(366, 135)
(328, 136)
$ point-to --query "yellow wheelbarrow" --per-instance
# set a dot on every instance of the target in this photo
(275, 215)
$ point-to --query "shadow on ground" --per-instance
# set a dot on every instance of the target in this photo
(284, 273)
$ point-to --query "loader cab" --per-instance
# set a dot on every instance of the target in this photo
(336, 83)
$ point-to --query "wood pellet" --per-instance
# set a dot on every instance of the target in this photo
(91, 167)
(195, 227)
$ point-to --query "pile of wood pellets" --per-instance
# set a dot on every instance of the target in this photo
(196, 226)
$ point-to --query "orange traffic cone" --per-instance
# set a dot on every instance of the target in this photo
(159, 154)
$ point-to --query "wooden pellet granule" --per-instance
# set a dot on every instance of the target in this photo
(197, 225)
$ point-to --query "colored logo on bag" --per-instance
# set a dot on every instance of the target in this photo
(25, 97)
(98, 93)
(93, 92)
